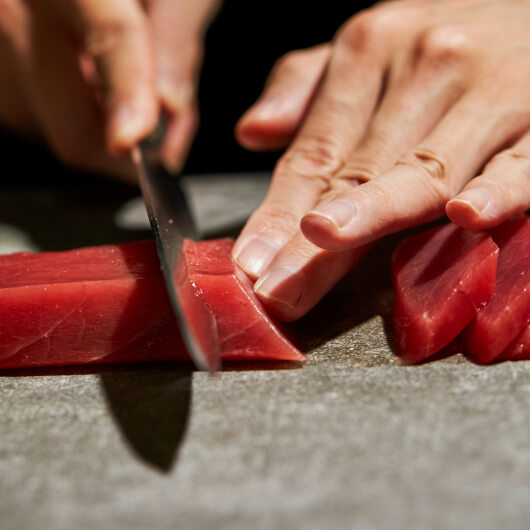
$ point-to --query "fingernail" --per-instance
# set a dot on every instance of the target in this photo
(478, 199)
(284, 285)
(128, 125)
(176, 96)
(174, 167)
(256, 255)
(267, 109)
(340, 212)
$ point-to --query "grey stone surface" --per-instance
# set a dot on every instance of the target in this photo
(211, 214)
(349, 440)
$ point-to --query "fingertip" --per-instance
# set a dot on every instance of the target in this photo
(463, 214)
(279, 310)
(179, 135)
(174, 95)
(265, 110)
(322, 231)
(268, 125)
(471, 210)
(262, 138)
(254, 254)
(128, 124)
(281, 290)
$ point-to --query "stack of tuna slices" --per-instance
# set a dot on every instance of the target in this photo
(467, 289)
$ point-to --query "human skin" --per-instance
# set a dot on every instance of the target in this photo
(418, 108)
(90, 77)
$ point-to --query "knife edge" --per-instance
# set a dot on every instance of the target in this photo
(171, 223)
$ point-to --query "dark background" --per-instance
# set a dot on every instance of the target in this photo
(242, 45)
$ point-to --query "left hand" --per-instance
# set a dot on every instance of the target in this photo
(417, 98)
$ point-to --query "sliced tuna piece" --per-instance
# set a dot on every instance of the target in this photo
(441, 277)
(519, 349)
(506, 315)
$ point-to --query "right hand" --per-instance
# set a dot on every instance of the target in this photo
(90, 76)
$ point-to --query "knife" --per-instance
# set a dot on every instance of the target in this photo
(171, 222)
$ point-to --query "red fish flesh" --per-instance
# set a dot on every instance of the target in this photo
(441, 277)
(109, 304)
(507, 314)
(519, 349)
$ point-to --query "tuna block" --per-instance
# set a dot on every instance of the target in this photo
(109, 304)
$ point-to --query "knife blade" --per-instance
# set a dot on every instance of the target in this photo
(171, 222)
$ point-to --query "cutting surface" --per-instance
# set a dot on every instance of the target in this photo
(349, 440)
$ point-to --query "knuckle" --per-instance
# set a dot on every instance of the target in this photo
(363, 30)
(515, 155)
(510, 157)
(289, 63)
(105, 37)
(356, 172)
(442, 45)
(426, 161)
(431, 165)
(317, 157)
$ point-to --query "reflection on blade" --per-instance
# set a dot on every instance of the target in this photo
(171, 223)
(198, 319)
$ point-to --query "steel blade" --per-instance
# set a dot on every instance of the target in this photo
(171, 223)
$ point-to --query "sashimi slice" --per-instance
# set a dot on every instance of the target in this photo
(440, 278)
(506, 315)
(109, 304)
(519, 349)
(245, 330)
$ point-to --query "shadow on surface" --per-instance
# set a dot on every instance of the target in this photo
(149, 403)
(364, 293)
(151, 407)
(260, 366)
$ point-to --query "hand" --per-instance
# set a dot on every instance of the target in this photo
(416, 99)
(91, 75)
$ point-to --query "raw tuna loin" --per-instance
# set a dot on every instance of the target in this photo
(440, 278)
(109, 304)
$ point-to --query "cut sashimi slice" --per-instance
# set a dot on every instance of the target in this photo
(506, 315)
(245, 330)
(440, 279)
(519, 349)
(109, 305)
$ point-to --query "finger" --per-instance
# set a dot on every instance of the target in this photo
(116, 34)
(178, 138)
(178, 29)
(14, 45)
(410, 108)
(294, 285)
(68, 115)
(417, 188)
(178, 56)
(335, 124)
(502, 190)
(273, 120)
(399, 123)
